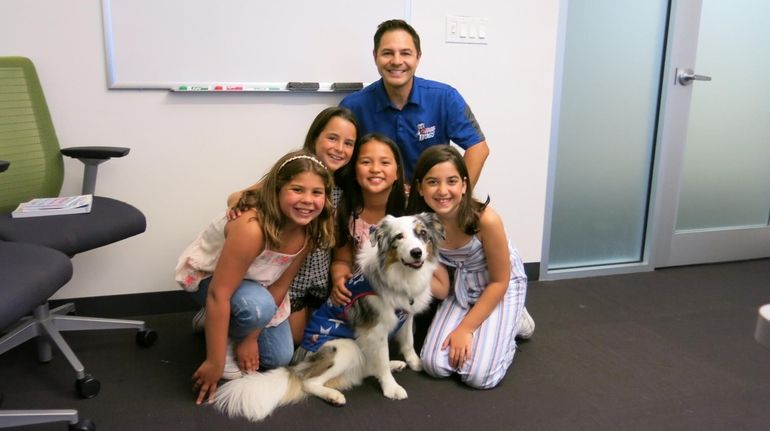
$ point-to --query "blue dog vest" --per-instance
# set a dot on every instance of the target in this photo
(330, 321)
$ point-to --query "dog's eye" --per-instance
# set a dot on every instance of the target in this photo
(422, 233)
(399, 237)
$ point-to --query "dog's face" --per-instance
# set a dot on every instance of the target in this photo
(408, 240)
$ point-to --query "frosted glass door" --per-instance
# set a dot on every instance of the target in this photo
(726, 173)
(606, 111)
(723, 204)
(648, 171)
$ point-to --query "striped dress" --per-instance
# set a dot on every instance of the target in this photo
(494, 341)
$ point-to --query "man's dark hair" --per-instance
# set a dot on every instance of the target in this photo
(396, 24)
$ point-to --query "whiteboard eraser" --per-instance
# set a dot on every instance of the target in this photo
(303, 86)
(347, 86)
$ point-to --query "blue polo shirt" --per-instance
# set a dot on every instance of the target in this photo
(434, 114)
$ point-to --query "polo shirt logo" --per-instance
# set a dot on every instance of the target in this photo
(424, 133)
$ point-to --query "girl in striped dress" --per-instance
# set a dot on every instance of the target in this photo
(473, 332)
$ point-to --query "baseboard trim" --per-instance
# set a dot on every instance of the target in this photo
(174, 301)
(134, 304)
(532, 269)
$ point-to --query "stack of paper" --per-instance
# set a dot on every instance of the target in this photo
(54, 206)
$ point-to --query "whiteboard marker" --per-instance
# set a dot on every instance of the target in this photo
(264, 88)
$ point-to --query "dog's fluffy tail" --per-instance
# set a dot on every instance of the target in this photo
(255, 396)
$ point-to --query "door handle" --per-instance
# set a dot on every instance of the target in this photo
(687, 76)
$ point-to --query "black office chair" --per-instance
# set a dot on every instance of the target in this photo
(28, 141)
(31, 274)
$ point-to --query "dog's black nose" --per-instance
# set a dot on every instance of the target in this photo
(415, 253)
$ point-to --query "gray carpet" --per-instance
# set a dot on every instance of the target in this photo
(666, 350)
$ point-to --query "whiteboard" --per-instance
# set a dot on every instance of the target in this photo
(168, 43)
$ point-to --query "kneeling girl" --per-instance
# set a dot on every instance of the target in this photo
(232, 266)
(474, 329)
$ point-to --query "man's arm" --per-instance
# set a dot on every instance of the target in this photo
(475, 157)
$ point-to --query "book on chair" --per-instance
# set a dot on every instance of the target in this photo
(54, 206)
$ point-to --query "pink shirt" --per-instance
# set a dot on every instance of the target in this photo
(199, 259)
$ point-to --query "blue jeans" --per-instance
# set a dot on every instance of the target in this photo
(251, 308)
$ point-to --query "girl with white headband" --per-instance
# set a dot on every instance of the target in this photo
(233, 267)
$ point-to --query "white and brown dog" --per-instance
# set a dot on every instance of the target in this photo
(394, 285)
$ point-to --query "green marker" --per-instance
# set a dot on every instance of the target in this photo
(182, 88)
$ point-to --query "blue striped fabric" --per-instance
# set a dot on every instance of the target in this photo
(494, 342)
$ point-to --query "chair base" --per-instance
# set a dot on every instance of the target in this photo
(46, 325)
(12, 418)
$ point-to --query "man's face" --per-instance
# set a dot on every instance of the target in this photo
(397, 59)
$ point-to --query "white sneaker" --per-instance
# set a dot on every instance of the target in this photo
(199, 320)
(231, 371)
(526, 326)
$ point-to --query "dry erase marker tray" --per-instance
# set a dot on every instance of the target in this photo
(293, 86)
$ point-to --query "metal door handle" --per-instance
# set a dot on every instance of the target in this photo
(687, 76)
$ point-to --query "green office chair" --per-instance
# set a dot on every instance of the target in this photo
(28, 141)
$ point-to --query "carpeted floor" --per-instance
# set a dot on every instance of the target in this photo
(667, 350)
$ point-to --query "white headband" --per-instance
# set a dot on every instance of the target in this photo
(301, 156)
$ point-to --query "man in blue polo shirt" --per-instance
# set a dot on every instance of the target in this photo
(414, 112)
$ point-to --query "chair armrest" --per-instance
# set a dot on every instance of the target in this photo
(91, 158)
(100, 153)
(4, 165)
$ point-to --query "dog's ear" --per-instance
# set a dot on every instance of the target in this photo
(431, 219)
(380, 233)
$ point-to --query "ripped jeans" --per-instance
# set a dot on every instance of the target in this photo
(251, 308)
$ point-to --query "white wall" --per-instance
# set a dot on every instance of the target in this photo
(188, 151)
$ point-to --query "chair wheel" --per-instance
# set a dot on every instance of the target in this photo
(88, 386)
(146, 338)
(83, 425)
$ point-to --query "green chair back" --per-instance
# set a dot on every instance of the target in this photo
(27, 137)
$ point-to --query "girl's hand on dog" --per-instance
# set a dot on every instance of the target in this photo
(459, 343)
(206, 378)
(340, 295)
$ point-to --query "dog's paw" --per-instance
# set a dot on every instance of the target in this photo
(397, 366)
(394, 392)
(335, 399)
(415, 363)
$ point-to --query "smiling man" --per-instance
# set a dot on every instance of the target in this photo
(414, 112)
